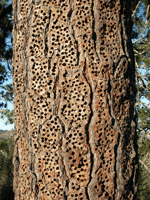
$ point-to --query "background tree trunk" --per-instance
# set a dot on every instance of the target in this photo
(74, 88)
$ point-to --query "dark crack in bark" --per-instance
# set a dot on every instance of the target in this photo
(63, 167)
(69, 14)
(115, 165)
(109, 101)
(93, 25)
(76, 45)
(54, 93)
(46, 35)
(87, 130)
(34, 184)
(94, 36)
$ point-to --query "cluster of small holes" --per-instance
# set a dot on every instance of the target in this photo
(83, 20)
(26, 187)
(18, 59)
(20, 40)
(84, 30)
(18, 105)
(41, 108)
(49, 161)
(49, 137)
(50, 2)
(107, 35)
(34, 136)
(23, 155)
(77, 192)
(77, 156)
(24, 7)
(76, 100)
(62, 40)
(40, 19)
(75, 112)
(19, 81)
(43, 192)
(108, 29)
(40, 77)
(49, 166)
(18, 72)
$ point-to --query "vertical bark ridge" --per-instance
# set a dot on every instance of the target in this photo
(87, 126)
(91, 135)
(94, 33)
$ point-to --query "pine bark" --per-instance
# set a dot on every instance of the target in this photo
(74, 100)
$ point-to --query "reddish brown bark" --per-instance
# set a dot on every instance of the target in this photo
(74, 88)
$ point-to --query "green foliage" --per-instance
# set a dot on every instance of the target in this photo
(141, 45)
(144, 147)
(144, 168)
(5, 30)
(6, 169)
(144, 117)
(144, 188)
(6, 90)
(9, 114)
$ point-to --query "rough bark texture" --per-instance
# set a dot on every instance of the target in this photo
(74, 88)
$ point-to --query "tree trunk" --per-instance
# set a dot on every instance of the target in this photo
(74, 100)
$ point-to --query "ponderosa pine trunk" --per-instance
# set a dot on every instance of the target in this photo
(74, 100)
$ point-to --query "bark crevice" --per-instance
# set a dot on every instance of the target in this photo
(115, 166)
(46, 35)
(87, 130)
(94, 36)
